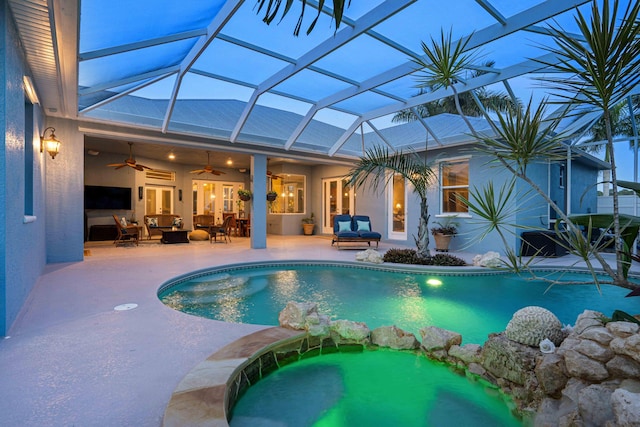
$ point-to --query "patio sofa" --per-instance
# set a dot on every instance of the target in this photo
(157, 222)
(353, 229)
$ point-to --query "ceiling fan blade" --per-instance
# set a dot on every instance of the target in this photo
(198, 171)
(215, 172)
(121, 166)
(116, 164)
(138, 167)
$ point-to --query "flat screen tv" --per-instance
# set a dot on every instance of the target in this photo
(114, 198)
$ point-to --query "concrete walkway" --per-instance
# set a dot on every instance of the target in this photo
(72, 360)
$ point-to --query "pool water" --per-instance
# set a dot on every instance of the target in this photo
(376, 388)
(473, 305)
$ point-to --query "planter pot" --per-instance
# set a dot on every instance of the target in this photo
(244, 198)
(442, 241)
(308, 229)
(271, 197)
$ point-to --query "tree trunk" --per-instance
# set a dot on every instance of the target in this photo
(422, 240)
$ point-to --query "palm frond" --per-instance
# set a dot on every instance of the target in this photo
(273, 7)
(523, 137)
(606, 67)
(372, 169)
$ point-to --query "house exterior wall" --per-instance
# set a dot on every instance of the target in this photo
(584, 194)
(22, 245)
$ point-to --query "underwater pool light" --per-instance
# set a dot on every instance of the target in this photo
(434, 282)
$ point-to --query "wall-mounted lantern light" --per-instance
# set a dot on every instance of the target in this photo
(49, 143)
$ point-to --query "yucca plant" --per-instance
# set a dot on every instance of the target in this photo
(599, 69)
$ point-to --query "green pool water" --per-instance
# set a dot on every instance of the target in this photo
(377, 388)
(473, 305)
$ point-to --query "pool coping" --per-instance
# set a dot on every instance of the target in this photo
(386, 266)
(203, 396)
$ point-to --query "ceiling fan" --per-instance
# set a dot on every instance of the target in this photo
(207, 169)
(131, 162)
(272, 176)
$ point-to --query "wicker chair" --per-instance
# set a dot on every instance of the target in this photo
(223, 230)
(126, 233)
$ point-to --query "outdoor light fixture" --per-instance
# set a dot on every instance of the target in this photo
(171, 156)
(229, 161)
(49, 143)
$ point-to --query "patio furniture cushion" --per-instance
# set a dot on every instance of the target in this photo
(344, 226)
(363, 226)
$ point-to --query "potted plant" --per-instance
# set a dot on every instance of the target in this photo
(443, 233)
(308, 224)
(244, 195)
(271, 195)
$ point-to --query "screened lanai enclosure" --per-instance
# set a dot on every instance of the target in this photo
(214, 70)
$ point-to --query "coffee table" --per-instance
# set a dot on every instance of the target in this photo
(174, 236)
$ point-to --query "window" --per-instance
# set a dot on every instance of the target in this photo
(454, 182)
(561, 176)
(291, 194)
(398, 204)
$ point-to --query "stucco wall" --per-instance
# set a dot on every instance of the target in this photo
(22, 246)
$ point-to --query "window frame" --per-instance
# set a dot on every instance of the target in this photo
(441, 187)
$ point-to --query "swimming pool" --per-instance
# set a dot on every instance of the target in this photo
(473, 303)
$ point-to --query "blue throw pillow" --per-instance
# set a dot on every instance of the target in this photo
(344, 225)
(363, 226)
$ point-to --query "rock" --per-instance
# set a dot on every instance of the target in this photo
(490, 259)
(580, 366)
(299, 315)
(530, 325)
(623, 367)
(594, 405)
(623, 329)
(349, 332)
(370, 255)
(507, 359)
(628, 347)
(630, 385)
(551, 374)
(588, 319)
(601, 335)
(626, 407)
(468, 353)
(393, 337)
(547, 414)
(593, 350)
(434, 338)
(477, 369)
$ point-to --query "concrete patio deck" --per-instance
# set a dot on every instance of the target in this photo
(72, 360)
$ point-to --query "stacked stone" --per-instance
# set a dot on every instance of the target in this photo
(593, 379)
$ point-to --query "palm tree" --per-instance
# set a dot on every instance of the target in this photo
(599, 72)
(273, 7)
(491, 100)
(377, 163)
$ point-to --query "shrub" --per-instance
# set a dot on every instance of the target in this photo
(410, 256)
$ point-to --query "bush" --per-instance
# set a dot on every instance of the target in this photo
(410, 256)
